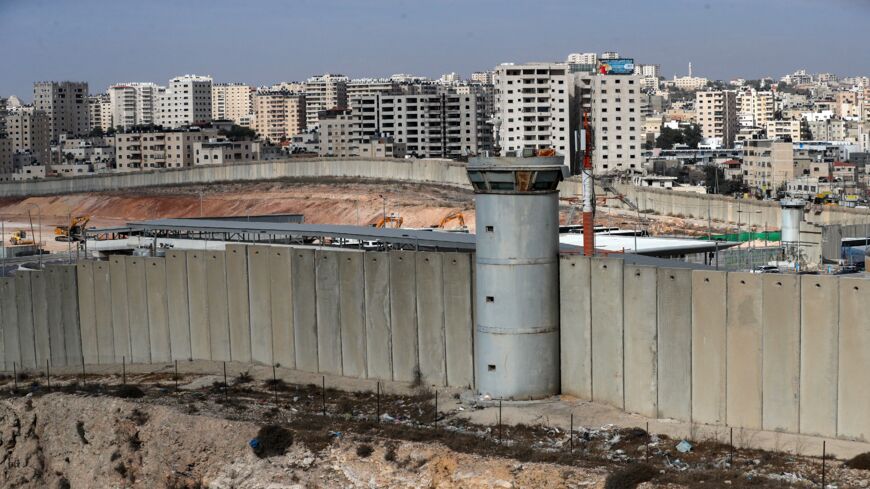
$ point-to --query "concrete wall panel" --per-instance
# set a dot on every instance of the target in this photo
(260, 297)
(377, 295)
(70, 312)
(353, 314)
(40, 298)
(853, 415)
(9, 322)
(238, 303)
(709, 290)
(54, 293)
(781, 352)
(281, 290)
(607, 331)
(403, 314)
(178, 303)
(137, 306)
(576, 325)
(675, 343)
(458, 325)
(430, 318)
(328, 312)
(820, 318)
(744, 350)
(120, 312)
(87, 313)
(218, 315)
(103, 313)
(305, 309)
(26, 338)
(641, 363)
(197, 300)
(158, 309)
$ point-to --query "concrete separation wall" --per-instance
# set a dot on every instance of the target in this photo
(440, 172)
(778, 352)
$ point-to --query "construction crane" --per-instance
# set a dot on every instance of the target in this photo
(453, 216)
(391, 221)
(75, 231)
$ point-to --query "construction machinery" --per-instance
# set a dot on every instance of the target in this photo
(391, 221)
(19, 237)
(453, 216)
(74, 231)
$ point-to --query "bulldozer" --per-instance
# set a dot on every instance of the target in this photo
(19, 237)
(74, 231)
(453, 216)
(391, 221)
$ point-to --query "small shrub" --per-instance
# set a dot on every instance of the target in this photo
(364, 451)
(272, 440)
(115, 455)
(63, 483)
(390, 454)
(138, 417)
(418, 378)
(244, 378)
(860, 462)
(275, 384)
(128, 391)
(121, 469)
(134, 442)
(630, 476)
(80, 429)
(345, 406)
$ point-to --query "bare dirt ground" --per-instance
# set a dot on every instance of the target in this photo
(98, 432)
(325, 201)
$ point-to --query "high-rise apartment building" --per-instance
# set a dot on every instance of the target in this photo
(783, 130)
(232, 101)
(767, 165)
(364, 87)
(29, 130)
(6, 159)
(429, 125)
(338, 133)
(279, 114)
(589, 59)
(66, 105)
(615, 107)
(134, 104)
(533, 107)
(755, 108)
(99, 112)
(2, 116)
(716, 113)
(185, 102)
(324, 92)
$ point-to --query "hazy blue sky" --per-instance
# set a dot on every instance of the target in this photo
(260, 42)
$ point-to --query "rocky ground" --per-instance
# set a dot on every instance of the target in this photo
(268, 434)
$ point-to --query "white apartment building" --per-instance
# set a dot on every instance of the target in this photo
(29, 131)
(324, 92)
(138, 151)
(279, 115)
(363, 87)
(429, 125)
(767, 165)
(66, 105)
(653, 71)
(338, 132)
(582, 59)
(533, 107)
(185, 102)
(755, 108)
(690, 83)
(716, 113)
(100, 112)
(614, 104)
(134, 104)
(232, 101)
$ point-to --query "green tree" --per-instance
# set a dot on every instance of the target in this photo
(668, 138)
(692, 136)
(239, 133)
(96, 132)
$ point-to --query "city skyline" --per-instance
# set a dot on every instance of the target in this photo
(720, 39)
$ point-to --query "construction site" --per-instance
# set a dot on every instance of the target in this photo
(365, 323)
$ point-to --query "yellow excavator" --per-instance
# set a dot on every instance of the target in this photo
(19, 237)
(391, 221)
(75, 231)
(453, 216)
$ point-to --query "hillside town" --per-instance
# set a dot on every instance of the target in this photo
(803, 135)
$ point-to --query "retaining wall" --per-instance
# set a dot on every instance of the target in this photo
(442, 172)
(775, 352)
